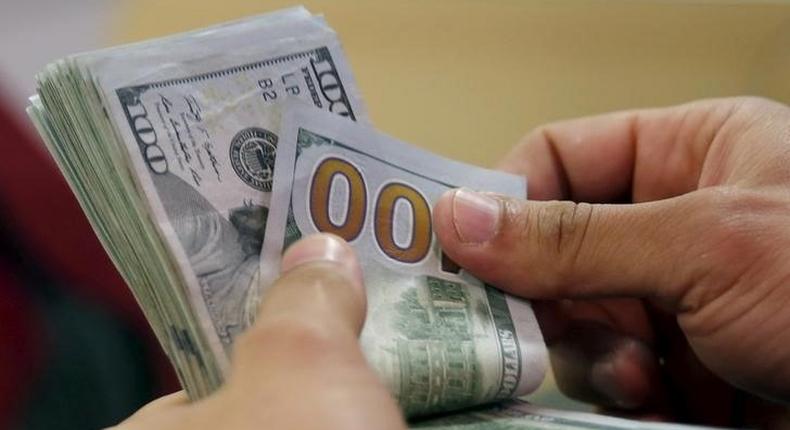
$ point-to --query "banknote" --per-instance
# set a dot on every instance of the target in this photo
(169, 145)
(518, 414)
(203, 145)
(438, 337)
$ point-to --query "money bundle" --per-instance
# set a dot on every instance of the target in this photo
(199, 158)
(169, 146)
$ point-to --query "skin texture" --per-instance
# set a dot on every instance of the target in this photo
(660, 256)
(299, 366)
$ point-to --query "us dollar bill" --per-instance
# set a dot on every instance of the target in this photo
(438, 337)
(204, 144)
(170, 147)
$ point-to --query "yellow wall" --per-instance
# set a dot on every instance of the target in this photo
(467, 78)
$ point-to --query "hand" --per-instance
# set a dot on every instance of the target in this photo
(668, 268)
(300, 365)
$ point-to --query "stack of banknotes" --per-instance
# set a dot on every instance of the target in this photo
(198, 158)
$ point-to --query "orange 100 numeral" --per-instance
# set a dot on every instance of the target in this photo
(356, 206)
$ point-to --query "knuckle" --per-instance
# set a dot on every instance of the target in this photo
(754, 102)
(557, 229)
(562, 225)
(304, 314)
(734, 237)
(750, 112)
(315, 277)
(729, 222)
(516, 161)
(536, 135)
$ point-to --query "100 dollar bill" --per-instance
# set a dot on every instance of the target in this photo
(439, 338)
(169, 145)
(202, 142)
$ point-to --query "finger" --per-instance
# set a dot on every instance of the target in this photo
(167, 401)
(643, 154)
(601, 351)
(318, 302)
(161, 406)
(596, 364)
(300, 365)
(625, 315)
(551, 250)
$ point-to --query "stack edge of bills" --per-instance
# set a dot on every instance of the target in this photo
(151, 138)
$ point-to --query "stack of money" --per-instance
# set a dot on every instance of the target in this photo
(169, 148)
(199, 158)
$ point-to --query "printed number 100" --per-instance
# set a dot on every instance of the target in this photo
(356, 206)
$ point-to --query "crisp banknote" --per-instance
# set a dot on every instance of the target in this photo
(438, 337)
(169, 147)
(193, 115)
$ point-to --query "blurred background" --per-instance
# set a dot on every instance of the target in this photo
(464, 78)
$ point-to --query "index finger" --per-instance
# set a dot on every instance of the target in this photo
(639, 155)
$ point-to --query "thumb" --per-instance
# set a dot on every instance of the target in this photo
(559, 249)
(300, 365)
(315, 310)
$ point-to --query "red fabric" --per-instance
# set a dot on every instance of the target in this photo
(47, 221)
(20, 354)
(45, 216)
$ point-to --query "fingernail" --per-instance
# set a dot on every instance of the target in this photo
(475, 216)
(323, 248)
